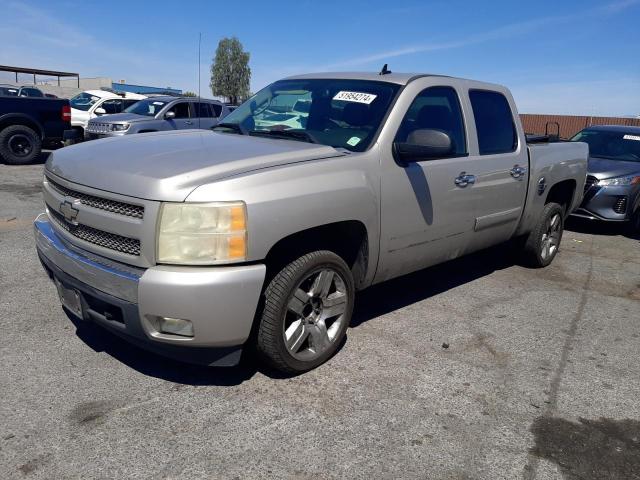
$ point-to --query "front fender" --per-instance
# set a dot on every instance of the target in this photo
(282, 201)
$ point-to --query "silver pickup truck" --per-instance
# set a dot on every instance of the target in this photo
(196, 244)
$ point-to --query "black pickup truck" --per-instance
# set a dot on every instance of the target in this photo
(27, 123)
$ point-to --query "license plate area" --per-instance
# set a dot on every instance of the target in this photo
(70, 298)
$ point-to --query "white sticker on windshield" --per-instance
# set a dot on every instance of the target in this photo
(353, 141)
(158, 103)
(358, 97)
(632, 137)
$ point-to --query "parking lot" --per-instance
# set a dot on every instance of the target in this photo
(475, 369)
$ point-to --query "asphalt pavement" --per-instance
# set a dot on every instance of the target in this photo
(475, 369)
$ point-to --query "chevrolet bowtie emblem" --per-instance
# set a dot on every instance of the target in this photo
(69, 211)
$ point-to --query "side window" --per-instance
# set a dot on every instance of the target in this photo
(112, 106)
(202, 110)
(128, 103)
(181, 110)
(494, 122)
(217, 109)
(436, 108)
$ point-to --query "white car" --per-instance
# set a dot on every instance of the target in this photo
(93, 103)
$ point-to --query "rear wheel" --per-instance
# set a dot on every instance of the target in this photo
(19, 145)
(542, 244)
(307, 310)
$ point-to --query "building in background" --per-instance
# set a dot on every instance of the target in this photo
(144, 89)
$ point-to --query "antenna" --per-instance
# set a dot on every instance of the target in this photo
(385, 70)
(199, 99)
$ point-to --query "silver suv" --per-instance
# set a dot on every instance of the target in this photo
(158, 114)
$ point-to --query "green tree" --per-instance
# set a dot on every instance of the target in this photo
(189, 93)
(230, 72)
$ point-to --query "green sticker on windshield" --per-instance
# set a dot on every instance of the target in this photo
(353, 141)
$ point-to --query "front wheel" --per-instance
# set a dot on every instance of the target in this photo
(543, 242)
(307, 310)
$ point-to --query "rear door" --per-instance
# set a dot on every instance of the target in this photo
(203, 115)
(499, 162)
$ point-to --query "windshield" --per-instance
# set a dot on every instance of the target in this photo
(338, 113)
(83, 101)
(148, 108)
(610, 144)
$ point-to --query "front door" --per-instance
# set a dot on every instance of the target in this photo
(183, 119)
(426, 207)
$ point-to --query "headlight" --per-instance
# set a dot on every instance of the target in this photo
(202, 233)
(626, 180)
(119, 127)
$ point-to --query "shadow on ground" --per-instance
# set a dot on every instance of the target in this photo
(594, 227)
(370, 303)
(400, 292)
(589, 449)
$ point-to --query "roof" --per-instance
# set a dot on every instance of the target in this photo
(616, 128)
(36, 71)
(399, 78)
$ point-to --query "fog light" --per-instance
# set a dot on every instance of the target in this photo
(175, 326)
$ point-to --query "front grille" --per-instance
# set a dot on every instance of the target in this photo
(95, 127)
(121, 208)
(591, 181)
(621, 205)
(108, 240)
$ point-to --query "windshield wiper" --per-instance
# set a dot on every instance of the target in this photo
(230, 126)
(286, 134)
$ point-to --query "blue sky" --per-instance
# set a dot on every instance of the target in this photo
(573, 57)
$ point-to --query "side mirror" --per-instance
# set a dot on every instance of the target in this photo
(423, 144)
(170, 115)
(100, 111)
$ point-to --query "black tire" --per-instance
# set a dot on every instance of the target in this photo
(19, 145)
(276, 313)
(534, 245)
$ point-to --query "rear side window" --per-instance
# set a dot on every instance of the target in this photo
(202, 110)
(217, 109)
(436, 108)
(494, 122)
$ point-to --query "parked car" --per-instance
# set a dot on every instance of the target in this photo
(158, 114)
(20, 91)
(612, 190)
(25, 123)
(94, 103)
(178, 241)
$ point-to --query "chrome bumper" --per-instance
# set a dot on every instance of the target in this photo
(220, 301)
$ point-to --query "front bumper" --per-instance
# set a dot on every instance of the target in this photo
(220, 301)
(608, 203)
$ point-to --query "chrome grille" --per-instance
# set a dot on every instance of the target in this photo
(95, 127)
(591, 181)
(121, 208)
(127, 245)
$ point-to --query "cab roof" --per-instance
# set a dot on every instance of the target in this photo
(399, 78)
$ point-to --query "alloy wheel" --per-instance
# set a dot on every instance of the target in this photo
(551, 237)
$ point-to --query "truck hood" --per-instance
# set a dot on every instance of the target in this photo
(122, 117)
(168, 166)
(607, 168)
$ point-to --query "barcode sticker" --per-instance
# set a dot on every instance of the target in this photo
(632, 137)
(358, 97)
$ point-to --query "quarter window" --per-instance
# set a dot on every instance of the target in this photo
(436, 108)
(494, 122)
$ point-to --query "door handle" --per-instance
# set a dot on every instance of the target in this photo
(518, 172)
(463, 180)
(188, 122)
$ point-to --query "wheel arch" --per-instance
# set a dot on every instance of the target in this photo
(348, 239)
(21, 119)
(563, 194)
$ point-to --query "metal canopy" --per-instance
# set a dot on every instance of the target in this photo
(36, 71)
